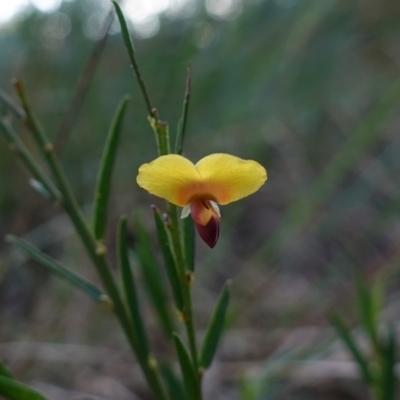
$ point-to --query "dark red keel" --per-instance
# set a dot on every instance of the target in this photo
(210, 232)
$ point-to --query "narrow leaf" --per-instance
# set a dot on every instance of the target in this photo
(124, 28)
(170, 265)
(153, 278)
(13, 390)
(351, 345)
(59, 269)
(389, 368)
(129, 285)
(188, 372)
(377, 296)
(103, 187)
(4, 371)
(131, 53)
(215, 328)
(189, 242)
(367, 309)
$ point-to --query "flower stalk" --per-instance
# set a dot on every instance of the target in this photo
(186, 277)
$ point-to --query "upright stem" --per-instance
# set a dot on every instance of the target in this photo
(186, 281)
(96, 253)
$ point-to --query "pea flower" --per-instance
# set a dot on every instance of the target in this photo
(199, 188)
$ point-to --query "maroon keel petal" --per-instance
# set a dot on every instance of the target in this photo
(210, 232)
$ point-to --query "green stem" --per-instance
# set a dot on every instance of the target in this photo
(161, 131)
(96, 252)
(180, 136)
(186, 281)
(12, 107)
(97, 255)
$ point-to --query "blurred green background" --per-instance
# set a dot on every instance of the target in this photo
(308, 88)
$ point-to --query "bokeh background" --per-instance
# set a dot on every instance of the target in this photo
(308, 88)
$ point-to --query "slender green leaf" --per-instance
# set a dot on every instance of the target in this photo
(131, 53)
(153, 278)
(59, 269)
(170, 265)
(124, 28)
(174, 385)
(367, 309)
(215, 328)
(189, 242)
(13, 390)
(4, 371)
(129, 286)
(188, 372)
(351, 345)
(103, 187)
(377, 295)
(389, 378)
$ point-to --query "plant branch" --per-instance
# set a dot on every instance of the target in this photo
(180, 137)
(82, 87)
(11, 106)
(30, 163)
(97, 253)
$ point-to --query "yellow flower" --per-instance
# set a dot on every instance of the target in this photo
(199, 188)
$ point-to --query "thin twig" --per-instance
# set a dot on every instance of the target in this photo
(183, 120)
(30, 163)
(11, 106)
(186, 281)
(151, 110)
(82, 87)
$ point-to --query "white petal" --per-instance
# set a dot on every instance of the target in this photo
(185, 211)
(215, 207)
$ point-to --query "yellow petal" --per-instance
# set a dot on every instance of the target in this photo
(171, 177)
(228, 178)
